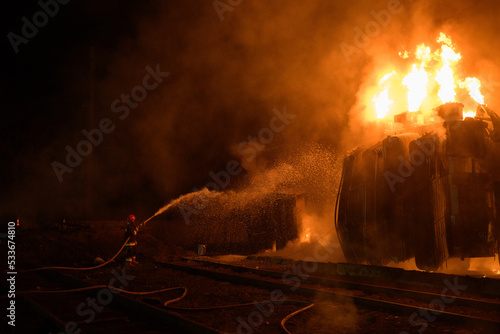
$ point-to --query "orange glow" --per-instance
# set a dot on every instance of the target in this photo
(444, 39)
(472, 85)
(306, 236)
(382, 101)
(469, 114)
(307, 222)
(489, 266)
(431, 80)
(416, 81)
(445, 75)
(423, 53)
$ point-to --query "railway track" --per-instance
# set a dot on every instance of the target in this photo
(59, 312)
(424, 307)
(100, 310)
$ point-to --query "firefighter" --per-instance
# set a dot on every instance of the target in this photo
(131, 232)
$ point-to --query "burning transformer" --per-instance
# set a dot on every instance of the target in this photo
(431, 190)
(419, 194)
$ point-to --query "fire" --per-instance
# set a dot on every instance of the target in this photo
(444, 39)
(431, 80)
(423, 53)
(416, 81)
(472, 85)
(382, 101)
(469, 114)
(488, 266)
(315, 229)
(306, 236)
(445, 75)
(307, 222)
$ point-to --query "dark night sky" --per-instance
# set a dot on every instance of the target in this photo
(45, 94)
(225, 79)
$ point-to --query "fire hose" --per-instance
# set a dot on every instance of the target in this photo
(86, 268)
(166, 303)
(98, 266)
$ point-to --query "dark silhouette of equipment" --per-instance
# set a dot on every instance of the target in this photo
(423, 194)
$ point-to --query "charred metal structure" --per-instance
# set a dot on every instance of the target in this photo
(424, 195)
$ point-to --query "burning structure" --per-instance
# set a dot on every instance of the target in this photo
(429, 188)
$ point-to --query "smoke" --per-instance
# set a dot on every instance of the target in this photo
(311, 173)
(225, 79)
(317, 241)
(227, 76)
(311, 170)
(232, 74)
(470, 26)
(338, 317)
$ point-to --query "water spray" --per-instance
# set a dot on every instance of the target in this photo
(144, 223)
(203, 192)
(160, 211)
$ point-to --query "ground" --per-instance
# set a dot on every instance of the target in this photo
(79, 247)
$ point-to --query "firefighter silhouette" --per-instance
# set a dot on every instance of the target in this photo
(131, 232)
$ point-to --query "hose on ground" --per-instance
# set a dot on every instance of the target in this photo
(285, 319)
(166, 303)
(73, 268)
(112, 288)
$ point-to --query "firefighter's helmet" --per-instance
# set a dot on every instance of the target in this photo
(131, 218)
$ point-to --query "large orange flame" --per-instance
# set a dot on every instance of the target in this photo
(445, 75)
(416, 81)
(472, 85)
(382, 101)
(432, 78)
